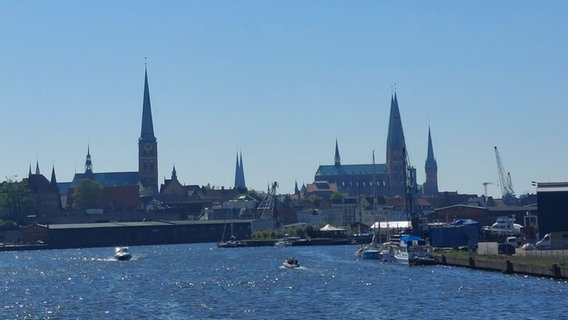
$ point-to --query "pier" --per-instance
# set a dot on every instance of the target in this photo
(506, 265)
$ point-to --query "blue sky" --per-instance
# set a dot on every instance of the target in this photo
(281, 81)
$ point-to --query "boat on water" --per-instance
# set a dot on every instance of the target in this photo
(376, 251)
(368, 252)
(291, 263)
(289, 241)
(414, 251)
(122, 254)
(231, 243)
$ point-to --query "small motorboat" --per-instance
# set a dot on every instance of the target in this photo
(122, 254)
(291, 263)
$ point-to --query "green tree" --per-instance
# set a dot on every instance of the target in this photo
(87, 194)
(337, 195)
(16, 200)
(8, 225)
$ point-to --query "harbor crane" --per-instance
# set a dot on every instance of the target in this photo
(504, 179)
(265, 210)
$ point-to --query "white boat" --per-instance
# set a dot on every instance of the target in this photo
(291, 263)
(414, 251)
(505, 226)
(287, 242)
(122, 254)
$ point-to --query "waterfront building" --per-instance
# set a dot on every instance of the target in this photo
(552, 198)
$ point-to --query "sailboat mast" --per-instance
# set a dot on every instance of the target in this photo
(409, 188)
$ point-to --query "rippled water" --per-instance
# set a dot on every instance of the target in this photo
(201, 281)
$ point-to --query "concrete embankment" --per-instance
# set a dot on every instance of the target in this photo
(506, 266)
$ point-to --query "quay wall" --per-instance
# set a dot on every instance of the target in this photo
(506, 266)
(84, 235)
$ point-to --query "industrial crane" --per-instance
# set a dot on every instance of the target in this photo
(504, 179)
(265, 210)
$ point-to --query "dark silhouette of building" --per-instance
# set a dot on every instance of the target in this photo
(431, 168)
(552, 207)
(388, 179)
(45, 193)
(147, 147)
(240, 174)
(120, 189)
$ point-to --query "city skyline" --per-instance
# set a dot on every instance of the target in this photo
(281, 83)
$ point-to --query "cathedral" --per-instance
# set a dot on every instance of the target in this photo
(388, 179)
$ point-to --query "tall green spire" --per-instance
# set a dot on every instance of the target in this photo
(396, 151)
(431, 168)
(147, 147)
(147, 133)
(395, 137)
(240, 173)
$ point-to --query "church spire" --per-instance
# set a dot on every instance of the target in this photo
(147, 132)
(174, 173)
(37, 167)
(53, 180)
(430, 160)
(431, 168)
(396, 146)
(88, 163)
(337, 159)
(395, 137)
(240, 173)
(147, 147)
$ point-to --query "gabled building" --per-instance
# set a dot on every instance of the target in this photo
(45, 193)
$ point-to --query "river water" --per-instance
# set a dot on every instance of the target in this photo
(200, 281)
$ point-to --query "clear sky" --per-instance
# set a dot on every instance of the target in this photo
(281, 81)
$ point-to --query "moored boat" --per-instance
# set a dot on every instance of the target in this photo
(231, 243)
(289, 241)
(414, 251)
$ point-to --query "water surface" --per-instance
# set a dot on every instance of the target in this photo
(201, 281)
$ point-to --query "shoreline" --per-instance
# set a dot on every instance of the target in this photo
(506, 266)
